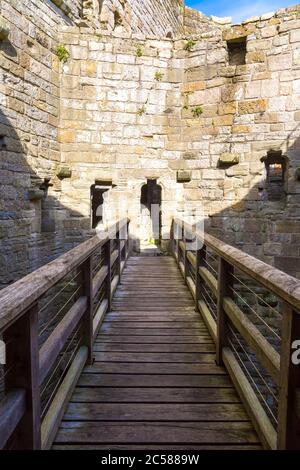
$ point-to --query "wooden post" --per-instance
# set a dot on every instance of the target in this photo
(288, 418)
(88, 337)
(177, 238)
(127, 241)
(107, 251)
(119, 260)
(225, 281)
(185, 261)
(22, 364)
(200, 258)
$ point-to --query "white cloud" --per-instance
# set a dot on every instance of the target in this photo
(254, 9)
(242, 10)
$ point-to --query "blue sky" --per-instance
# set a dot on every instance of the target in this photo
(239, 11)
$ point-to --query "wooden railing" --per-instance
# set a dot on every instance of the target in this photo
(252, 312)
(48, 322)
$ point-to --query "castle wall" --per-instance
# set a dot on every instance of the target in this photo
(126, 107)
(144, 17)
(118, 122)
(117, 99)
(248, 110)
(29, 93)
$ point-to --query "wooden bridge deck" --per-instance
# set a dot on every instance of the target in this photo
(154, 383)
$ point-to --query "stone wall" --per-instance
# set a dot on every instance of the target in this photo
(126, 107)
(119, 123)
(30, 153)
(248, 110)
(118, 97)
(144, 17)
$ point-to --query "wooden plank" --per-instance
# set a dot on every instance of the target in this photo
(150, 411)
(12, 410)
(154, 395)
(156, 348)
(164, 368)
(152, 316)
(58, 406)
(150, 447)
(158, 380)
(176, 433)
(152, 331)
(265, 353)
(259, 417)
(196, 358)
(153, 324)
(57, 340)
(155, 339)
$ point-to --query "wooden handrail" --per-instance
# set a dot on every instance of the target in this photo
(16, 298)
(279, 366)
(278, 282)
(19, 326)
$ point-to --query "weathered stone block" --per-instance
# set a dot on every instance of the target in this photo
(4, 30)
(184, 176)
(64, 171)
(35, 194)
(235, 32)
(252, 106)
(228, 158)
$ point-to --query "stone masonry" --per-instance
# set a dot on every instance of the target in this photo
(145, 90)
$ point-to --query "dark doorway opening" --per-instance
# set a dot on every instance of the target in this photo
(97, 199)
(151, 198)
(276, 166)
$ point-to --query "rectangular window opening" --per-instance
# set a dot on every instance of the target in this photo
(237, 50)
(97, 199)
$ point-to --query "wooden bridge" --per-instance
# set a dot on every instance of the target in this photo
(191, 351)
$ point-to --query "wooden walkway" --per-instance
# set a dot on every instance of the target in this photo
(154, 383)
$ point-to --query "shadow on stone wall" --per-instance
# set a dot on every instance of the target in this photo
(35, 227)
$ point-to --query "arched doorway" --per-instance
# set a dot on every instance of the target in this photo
(151, 225)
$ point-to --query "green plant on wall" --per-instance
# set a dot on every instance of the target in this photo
(197, 111)
(139, 51)
(185, 107)
(158, 76)
(190, 43)
(62, 53)
(141, 111)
